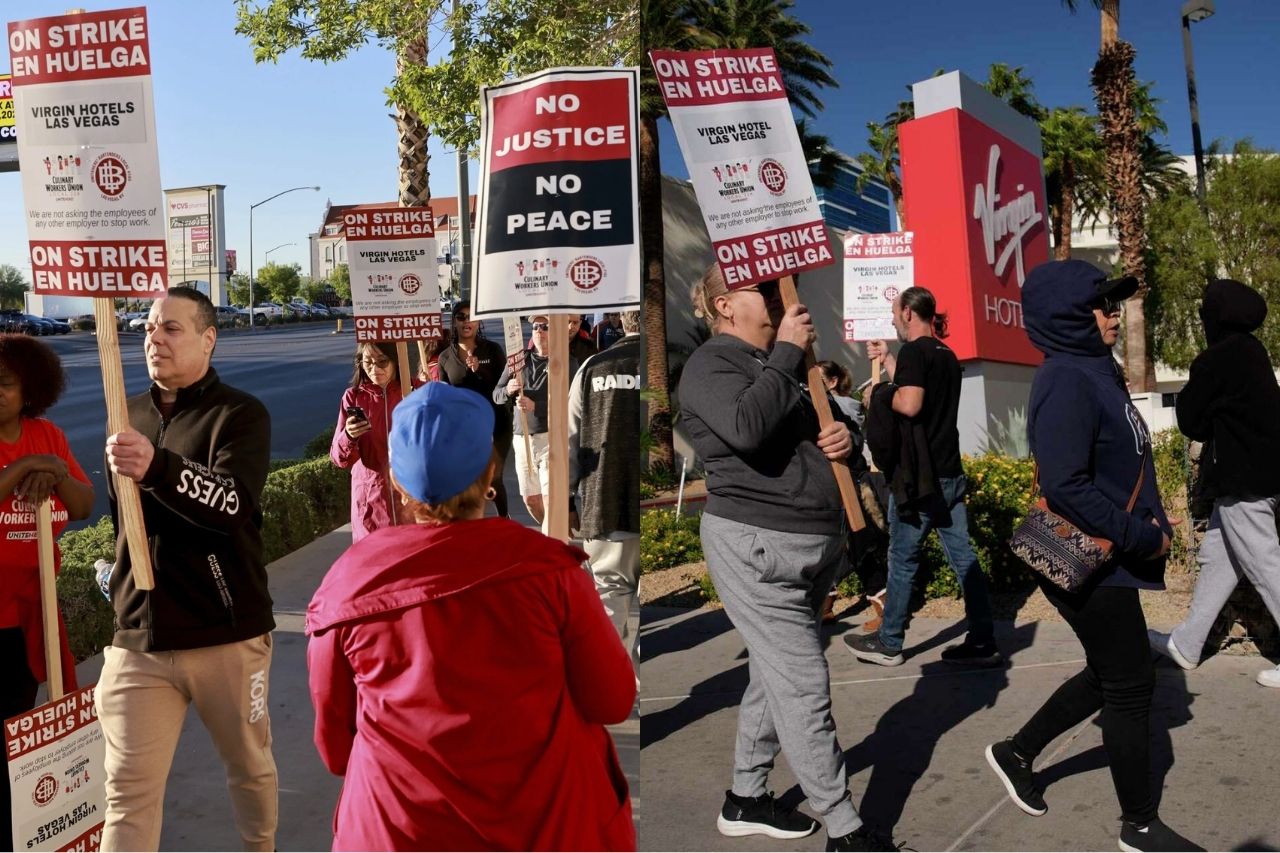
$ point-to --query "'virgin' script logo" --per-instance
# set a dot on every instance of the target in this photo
(1011, 221)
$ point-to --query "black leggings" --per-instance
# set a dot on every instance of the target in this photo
(17, 695)
(1118, 678)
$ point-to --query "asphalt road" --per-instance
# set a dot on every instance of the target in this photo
(298, 372)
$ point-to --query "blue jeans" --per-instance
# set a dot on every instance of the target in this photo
(945, 513)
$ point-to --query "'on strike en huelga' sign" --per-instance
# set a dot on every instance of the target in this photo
(877, 267)
(55, 755)
(90, 166)
(395, 289)
(559, 194)
(733, 122)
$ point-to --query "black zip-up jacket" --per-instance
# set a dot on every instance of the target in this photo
(201, 501)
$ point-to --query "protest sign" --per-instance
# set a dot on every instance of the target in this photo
(734, 125)
(95, 221)
(733, 122)
(8, 127)
(877, 267)
(55, 756)
(513, 337)
(395, 293)
(558, 226)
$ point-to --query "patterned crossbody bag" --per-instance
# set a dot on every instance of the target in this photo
(1056, 548)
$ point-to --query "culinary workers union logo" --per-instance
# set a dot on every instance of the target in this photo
(46, 788)
(586, 273)
(410, 283)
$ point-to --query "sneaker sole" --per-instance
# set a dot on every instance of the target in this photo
(1267, 678)
(1008, 786)
(881, 660)
(1169, 650)
(1129, 848)
(740, 828)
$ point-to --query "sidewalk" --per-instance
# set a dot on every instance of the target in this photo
(914, 735)
(197, 808)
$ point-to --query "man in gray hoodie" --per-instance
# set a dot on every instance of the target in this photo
(1232, 403)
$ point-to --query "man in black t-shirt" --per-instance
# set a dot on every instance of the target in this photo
(927, 379)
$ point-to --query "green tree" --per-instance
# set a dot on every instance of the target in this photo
(1073, 159)
(279, 282)
(1013, 86)
(311, 291)
(12, 286)
(1237, 236)
(340, 281)
(238, 289)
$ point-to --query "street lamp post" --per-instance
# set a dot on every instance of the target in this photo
(267, 253)
(251, 268)
(1193, 11)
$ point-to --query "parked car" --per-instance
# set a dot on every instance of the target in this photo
(138, 324)
(59, 327)
(318, 310)
(228, 316)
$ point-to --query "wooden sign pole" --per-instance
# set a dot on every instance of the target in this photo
(402, 367)
(424, 360)
(818, 394)
(128, 498)
(49, 600)
(556, 501)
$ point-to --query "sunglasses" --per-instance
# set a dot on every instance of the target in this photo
(541, 327)
(767, 289)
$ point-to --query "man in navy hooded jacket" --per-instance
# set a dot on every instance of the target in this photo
(1232, 403)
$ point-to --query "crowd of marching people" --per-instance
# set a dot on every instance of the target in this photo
(448, 735)
(776, 537)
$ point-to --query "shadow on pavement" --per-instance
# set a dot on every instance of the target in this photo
(675, 636)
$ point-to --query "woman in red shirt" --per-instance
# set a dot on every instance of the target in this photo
(35, 464)
(462, 669)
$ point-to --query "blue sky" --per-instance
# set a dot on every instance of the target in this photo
(260, 129)
(878, 48)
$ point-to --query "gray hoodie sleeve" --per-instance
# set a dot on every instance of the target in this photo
(744, 410)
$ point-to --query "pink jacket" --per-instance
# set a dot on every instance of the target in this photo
(462, 677)
(371, 496)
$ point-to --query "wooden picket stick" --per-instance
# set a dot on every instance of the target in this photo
(49, 600)
(402, 367)
(424, 360)
(818, 394)
(556, 501)
(128, 498)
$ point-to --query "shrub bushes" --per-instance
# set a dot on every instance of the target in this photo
(667, 540)
(300, 502)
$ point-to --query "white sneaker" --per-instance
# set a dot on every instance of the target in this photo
(1162, 644)
(1269, 677)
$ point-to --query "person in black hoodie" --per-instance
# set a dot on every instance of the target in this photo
(1092, 447)
(1232, 403)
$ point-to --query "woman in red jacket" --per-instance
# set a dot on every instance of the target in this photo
(462, 669)
(35, 464)
(360, 438)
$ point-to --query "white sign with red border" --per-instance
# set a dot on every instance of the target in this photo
(877, 267)
(734, 124)
(55, 757)
(91, 169)
(559, 223)
(395, 292)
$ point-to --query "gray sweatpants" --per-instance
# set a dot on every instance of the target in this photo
(1241, 542)
(772, 585)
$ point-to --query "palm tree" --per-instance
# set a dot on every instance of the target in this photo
(1014, 87)
(1073, 159)
(1113, 85)
(411, 133)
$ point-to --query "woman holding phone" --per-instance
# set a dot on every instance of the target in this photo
(360, 438)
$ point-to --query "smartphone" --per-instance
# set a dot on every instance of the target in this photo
(356, 412)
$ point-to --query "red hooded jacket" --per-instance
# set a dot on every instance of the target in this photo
(371, 498)
(462, 676)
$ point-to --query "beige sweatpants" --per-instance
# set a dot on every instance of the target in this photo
(615, 565)
(142, 698)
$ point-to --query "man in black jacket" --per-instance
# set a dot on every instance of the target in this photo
(199, 451)
(1232, 403)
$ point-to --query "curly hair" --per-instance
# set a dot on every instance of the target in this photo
(38, 369)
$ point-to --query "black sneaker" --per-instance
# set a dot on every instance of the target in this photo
(862, 838)
(1015, 772)
(1154, 836)
(973, 654)
(868, 649)
(762, 816)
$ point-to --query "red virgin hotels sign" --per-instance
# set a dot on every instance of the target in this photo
(973, 192)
